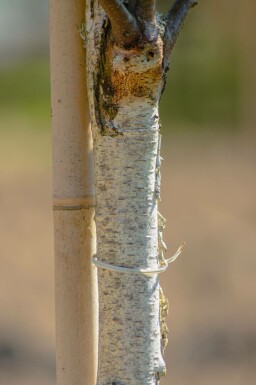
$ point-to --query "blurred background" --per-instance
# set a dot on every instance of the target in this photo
(208, 196)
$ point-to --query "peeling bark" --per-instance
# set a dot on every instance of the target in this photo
(126, 77)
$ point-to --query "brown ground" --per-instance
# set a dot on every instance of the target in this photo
(208, 198)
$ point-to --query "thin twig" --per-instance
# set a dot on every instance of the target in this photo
(146, 9)
(124, 26)
(175, 20)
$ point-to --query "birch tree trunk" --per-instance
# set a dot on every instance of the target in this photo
(128, 48)
(73, 200)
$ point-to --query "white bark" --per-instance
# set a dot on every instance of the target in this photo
(124, 88)
(126, 151)
(126, 218)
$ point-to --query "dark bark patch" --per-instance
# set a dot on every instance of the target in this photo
(110, 109)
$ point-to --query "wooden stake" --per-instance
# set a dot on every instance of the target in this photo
(73, 200)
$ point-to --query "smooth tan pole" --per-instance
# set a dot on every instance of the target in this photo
(73, 200)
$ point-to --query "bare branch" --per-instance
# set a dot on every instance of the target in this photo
(175, 20)
(146, 9)
(130, 5)
(124, 26)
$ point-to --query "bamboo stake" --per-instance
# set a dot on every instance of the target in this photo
(73, 200)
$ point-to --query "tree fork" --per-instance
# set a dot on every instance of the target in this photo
(126, 77)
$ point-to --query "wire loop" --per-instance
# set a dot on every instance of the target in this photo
(128, 270)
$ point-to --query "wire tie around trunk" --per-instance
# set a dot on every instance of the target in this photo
(128, 270)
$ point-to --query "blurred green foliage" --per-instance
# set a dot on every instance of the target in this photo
(203, 89)
(25, 91)
(204, 84)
